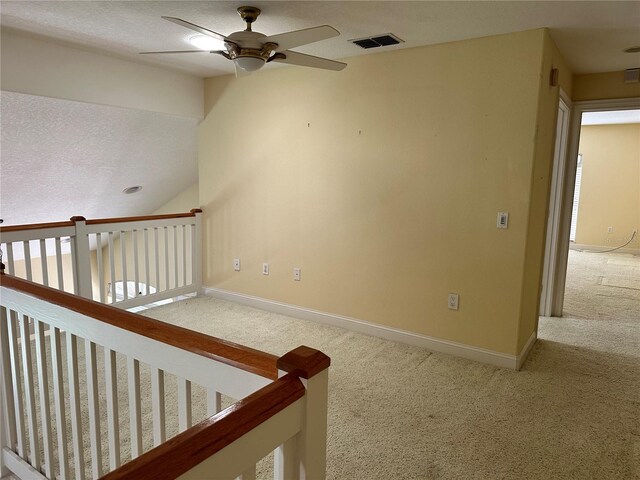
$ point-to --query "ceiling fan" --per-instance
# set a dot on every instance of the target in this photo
(251, 50)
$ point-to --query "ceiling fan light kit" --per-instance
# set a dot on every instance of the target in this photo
(250, 50)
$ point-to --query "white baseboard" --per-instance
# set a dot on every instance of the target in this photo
(522, 357)
(598, 248)
(470, 352)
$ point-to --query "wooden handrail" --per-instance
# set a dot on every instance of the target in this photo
(181, 453)
(96, 221)
(35, 226)
(99, 221)
(230, 353)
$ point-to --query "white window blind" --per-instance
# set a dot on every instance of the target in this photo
(576, 200)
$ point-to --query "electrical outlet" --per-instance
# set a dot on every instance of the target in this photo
(236, 264)
(610, 229)
(265, 269)
(296, 274)
(452, 302)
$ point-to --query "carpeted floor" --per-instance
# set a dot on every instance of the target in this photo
(401, 412)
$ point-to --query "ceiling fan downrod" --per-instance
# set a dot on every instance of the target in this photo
(249, 15)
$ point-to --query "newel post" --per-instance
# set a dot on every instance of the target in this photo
(304, 456)
(81, 259)
(196, 249)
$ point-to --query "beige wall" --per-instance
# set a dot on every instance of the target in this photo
(382, 183)
(183, 202)
(44, 67)
(597, 86)
(610, 187)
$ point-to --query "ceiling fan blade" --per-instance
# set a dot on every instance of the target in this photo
(181, 51)
(302, 59)
(289, 40)
(197, 28)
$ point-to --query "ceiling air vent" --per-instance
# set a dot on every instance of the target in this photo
(376, 41)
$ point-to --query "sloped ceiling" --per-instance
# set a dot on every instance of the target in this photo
(62, 158)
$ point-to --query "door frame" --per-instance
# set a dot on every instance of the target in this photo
(555, 203)
(561, 247)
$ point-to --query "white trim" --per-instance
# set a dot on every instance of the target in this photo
(522, 357)
(20, 467)
(470, 352)
(600, 248)
(555, 203)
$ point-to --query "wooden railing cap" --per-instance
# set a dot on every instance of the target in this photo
(304, 361)
(196, 210)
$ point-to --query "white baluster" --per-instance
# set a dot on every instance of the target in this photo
(100, 263)
(27, 259)
(166, 258)
(43, 260)
(74, 403)
(214, 402)
(196, 246)
(8, 410)
(112, 268)
(94, 408)
(157, 255)
(123, 255)
(184, 255)
(147, 277)
(29, 397)
(136, 273)
(135, 417)
(58, 398)
(184, 404)
(12, 328)
(158, 406)
(45, 409)
(113, 424)
(59, 264)
(175, 256)
(10, 262)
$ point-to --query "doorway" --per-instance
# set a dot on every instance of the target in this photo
(558, 237)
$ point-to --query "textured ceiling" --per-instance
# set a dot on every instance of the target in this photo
(590, 34)
(62, 158)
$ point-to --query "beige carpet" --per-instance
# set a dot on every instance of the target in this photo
(401, 412)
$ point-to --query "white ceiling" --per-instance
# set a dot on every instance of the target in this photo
(62, 158)
(611, 118)
(590, 34)
(55, 152)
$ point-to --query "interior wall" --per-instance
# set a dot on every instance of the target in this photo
(540, 191)
(602, 86)
(382, 183)
(610, 186)
(39, 66)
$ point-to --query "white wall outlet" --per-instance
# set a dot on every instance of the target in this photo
(503, 220)
(610, 229)
(265, 269)
(236, 264)
(296, 274)
(452, 301)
